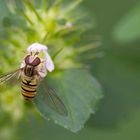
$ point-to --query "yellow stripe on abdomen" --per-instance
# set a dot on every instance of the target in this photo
(28, 89)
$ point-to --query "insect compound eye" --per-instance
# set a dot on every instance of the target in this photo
(27, 59)
(36, 61)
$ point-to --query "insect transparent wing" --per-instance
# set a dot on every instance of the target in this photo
(8, 76)
(53, 101)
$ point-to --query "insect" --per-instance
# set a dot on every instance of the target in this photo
(30, 75)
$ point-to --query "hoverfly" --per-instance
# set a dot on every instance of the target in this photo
(30, 79)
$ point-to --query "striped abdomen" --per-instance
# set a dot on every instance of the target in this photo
(28, 88)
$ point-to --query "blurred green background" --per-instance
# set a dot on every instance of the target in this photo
(118, 71)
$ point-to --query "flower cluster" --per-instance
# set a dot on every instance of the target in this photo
(59, 25)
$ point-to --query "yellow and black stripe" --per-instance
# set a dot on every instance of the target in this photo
(28, 88)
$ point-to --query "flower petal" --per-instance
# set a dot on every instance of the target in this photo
(49, 62)
(42, 70)
(37, 47)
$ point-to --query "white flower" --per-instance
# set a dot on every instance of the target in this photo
(46, 62)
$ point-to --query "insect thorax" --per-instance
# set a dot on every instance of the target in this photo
(29, 70)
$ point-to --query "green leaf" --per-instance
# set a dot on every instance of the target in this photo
(80, 93)
(128, 29)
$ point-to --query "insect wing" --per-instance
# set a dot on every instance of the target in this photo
(52, 100)
(55, 102)
(8, 76)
